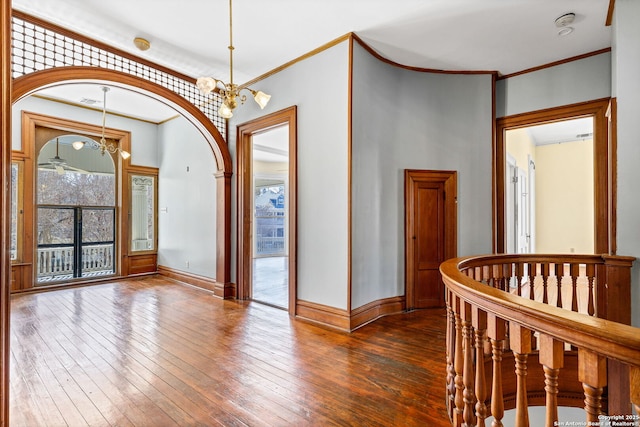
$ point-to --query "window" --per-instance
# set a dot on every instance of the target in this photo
(16, 210)
(143, 212)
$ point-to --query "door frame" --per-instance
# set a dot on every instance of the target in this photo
(244, 136)
(604, 217)
(412, 178)
(36, 130)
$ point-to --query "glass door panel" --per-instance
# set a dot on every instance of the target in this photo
(98, 242)
(56, 253)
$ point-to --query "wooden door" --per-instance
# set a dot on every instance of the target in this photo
(430, 234)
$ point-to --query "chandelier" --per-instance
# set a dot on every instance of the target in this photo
(230, 92)
(102, 146)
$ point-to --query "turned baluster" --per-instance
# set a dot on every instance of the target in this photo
(520, 341)
(591, 273)
(496, 330)
(575, 273)
(532, 278)
(487, 275)
(559, 270)
(450, 345)
(634, 375)
(519, 276)
(497, 276)
(506, 277)
(479, 322)
(545, 279)
(592, 373)
(551, 357)
(469, 397)
(458, 366)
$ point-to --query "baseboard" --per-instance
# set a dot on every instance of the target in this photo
(343, 320)
(376, 309)
(222, 290)
(324, 315)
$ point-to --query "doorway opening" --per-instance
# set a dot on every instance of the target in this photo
(549, 188)
(525, 217)
(270, 254)
(75, 212)
(267, 210)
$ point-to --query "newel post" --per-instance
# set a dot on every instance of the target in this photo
(614, 303)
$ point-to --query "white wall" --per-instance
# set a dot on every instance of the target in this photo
(319, 87)
(564, 198)
(143, 134)
(626, 87)
(569, 83)
(186, 200)
(411, 120)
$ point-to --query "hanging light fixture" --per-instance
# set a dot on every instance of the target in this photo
(102, 146)
(230, 92)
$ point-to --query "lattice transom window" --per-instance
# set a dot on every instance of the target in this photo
(35, 48)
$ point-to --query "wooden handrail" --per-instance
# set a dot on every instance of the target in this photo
(596, 350)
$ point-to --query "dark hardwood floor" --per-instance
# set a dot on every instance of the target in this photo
(152, 352)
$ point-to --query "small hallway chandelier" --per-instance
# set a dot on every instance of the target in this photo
(102, 146)
(230, 92)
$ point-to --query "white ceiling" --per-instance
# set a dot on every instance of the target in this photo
(559, 132)
(191, 36)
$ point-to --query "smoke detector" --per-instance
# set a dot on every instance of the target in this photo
(563, 22)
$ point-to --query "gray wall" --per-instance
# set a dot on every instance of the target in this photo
(412, 120)
(186, 200)
(569, 83)
(319, 88)
(588, 79)
(626, 87)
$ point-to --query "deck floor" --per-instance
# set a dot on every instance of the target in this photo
(151, 352)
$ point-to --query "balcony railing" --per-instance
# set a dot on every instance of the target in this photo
(57, 263)
(270, 246)
(540, 330)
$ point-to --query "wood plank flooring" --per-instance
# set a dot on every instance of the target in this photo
(153, 352)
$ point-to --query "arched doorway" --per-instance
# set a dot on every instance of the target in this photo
(30, 83)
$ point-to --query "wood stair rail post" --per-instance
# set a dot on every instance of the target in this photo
(592, 373)
(479, 322)
(497, 332)
(451, 348)
(613, 304)
(520, 341)
(599, 341)
(458, 364)
(635, 387)
(469, 396)
(551, 357)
